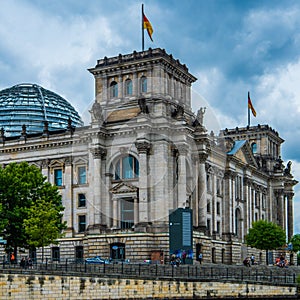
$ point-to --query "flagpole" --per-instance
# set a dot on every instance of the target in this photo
(248, 109)
(248, 116)
(142, 27)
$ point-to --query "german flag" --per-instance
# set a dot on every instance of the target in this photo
(250, 106)
(147, 25)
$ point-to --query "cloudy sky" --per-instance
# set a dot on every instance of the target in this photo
(232, 47)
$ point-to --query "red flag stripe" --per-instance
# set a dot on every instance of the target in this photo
(250, 106)
(147, 25)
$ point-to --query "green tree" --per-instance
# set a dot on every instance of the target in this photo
(295, 241)
(43, 225)
(21, 186)
(265, 235)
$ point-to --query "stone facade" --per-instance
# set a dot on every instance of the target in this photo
(145, 153)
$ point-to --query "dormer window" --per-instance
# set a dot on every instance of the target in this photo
(128, 87)
(114, 89)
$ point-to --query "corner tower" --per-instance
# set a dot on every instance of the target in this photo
(123, 84)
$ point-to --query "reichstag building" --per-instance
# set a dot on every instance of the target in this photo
(144, 155)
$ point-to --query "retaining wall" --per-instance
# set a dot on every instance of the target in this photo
(47, 287)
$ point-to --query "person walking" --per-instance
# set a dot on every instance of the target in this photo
(183, 257)
(12, 258)
(200, 257)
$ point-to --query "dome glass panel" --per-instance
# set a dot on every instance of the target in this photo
(32, 105)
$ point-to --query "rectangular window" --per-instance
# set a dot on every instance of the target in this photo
(81, 200)
(218, 227)
(127, 213)
(218, 208)
(218, 187)
(58, 177)
(208, 227)
(208, 179)
(81, 175)
(55, 254)
(208, 207)
(79, 254)
(81, 223)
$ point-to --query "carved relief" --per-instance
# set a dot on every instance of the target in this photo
(99, 152)
(143, 147)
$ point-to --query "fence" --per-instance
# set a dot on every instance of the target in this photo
(191, 272)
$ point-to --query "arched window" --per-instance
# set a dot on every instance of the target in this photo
(254, 147)
(143, 84)
(114, 89)
(127, 167)
(128, 87)
(238, 224)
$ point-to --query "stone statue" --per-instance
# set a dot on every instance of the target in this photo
(96, 112)
(143, 106)
(200, 115)
(287, 170)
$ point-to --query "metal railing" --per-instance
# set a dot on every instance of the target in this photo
(261, 274)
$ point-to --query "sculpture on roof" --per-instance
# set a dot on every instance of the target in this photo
(200, 115)
(287, 170)
(96, 112)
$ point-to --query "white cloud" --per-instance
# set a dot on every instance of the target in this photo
(278, 98)
(296, 172)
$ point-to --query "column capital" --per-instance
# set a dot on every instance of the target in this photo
(247, 181)
(68, 160)
(290, 195)
(45, 163)
(202, 157)
(279, 192)
(143, 146)
(183, 149)
(230, 174)
(99, 152)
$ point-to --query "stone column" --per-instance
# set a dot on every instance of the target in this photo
(136, 210)
(290, 215)
(247, 212)
(135, 84)
(202, 192)
(45, 169)
(120, 86)
(68, 196)
(115, 211)
(143, 147)
(98, 153)
(107, 209)
(195, 204)
(229, 175)
(105, 92)
(213, 201)
(280, 209)
(182, 196)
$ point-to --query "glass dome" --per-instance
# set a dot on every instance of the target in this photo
(32, 105)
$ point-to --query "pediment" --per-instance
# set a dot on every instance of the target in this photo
(123, 188)
(241, 156)
(242, 151)
(80, 161)
(56, 163)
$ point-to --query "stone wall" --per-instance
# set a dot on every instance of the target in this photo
(46, 287)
